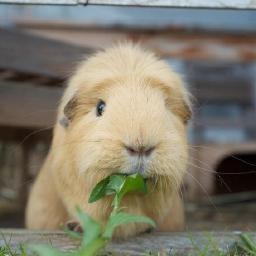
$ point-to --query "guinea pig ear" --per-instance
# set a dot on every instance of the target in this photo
(182, 108)
(69, 112)
(187, 111)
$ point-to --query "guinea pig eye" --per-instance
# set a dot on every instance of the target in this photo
(100, 108)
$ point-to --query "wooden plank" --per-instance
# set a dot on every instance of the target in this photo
(35, 55)
(225, 4)
(214, 91)
(28, 105)
(238, 4)
(19, 134)
(170, 243)
(226, 123)
(179, 43)
(45, 2)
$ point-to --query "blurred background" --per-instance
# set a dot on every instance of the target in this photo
(215, 52)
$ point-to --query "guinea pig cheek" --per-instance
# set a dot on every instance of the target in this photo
(97, 156)
(86, 157)
(87, 151)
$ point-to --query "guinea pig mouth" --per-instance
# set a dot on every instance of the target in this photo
(139, 167)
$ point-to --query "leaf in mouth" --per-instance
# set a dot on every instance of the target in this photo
(118, 184)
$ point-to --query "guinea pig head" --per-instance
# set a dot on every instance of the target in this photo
(127, 113)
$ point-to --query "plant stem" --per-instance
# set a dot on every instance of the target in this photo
(94, 247)
(116, 206)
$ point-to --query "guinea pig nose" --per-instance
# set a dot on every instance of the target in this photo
(140, 151)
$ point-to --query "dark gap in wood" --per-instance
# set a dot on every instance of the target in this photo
(236, 173)
(22, 77)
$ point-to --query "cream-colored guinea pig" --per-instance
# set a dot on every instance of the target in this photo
(124, 110)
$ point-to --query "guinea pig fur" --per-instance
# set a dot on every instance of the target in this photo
(124, 110)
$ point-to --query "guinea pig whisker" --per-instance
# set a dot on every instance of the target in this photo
(199, 161)
(209, 171)
(12, 152)
(160, 183)
(175, 182)
(212, 171)
(66, 144)
(201, 168)
(34, 133)
(220, 171)
(204, 190)
(164, 182)
(197, 147)
(153, 181)
(72, 142)
(156, 182)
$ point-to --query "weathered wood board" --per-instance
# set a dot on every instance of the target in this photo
(181, 3)
(179, 243)
(36, 55)
(28, 105)
(227, 4)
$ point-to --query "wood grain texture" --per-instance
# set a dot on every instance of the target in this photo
(243, 4)
(179, 243)
(28, 105)
(225, 4)
(32, 54)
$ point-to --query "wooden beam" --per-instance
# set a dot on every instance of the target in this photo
(224, 4)
(20, 134)
(178, 43)
(181, 243)
(226, 90)
(28, 105)
(36, 55)
(226, 123)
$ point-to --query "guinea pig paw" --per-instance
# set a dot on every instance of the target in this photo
(75, 226)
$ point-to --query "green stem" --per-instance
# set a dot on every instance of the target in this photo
(116, 205)
(94, 247)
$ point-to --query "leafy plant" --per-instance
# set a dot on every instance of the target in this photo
(248, 245)
(119, 185)
(95, 237)
(244, 247)
(7, 250)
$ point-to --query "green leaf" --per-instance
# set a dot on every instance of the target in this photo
(23, 251)
(99, 190)
(119, 184)
(92, 229)
(115, 182)
(121, 218)
(249, 243)
(132, 183)
(45, 250)
(93, 248)
(107, 186)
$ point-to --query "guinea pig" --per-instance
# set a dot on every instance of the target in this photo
(123, 111)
